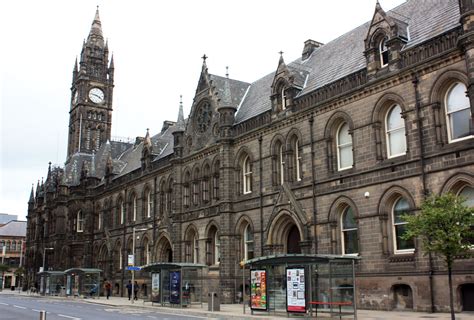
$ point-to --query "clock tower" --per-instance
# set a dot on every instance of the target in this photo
(90, 115)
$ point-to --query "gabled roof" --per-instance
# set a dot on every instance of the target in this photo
(345, 54)
(13, 228)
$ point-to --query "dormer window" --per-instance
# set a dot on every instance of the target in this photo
(383, 51)
(283, 98)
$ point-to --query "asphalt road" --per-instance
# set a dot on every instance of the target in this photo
(14, 307)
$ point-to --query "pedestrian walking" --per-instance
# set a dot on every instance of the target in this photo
(129, 289)
(135, 290)
(108, 288)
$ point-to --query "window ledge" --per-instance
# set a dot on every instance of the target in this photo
(214, 267)
(402, 257)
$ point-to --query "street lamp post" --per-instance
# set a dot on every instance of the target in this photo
(44, 256)
(133, 255)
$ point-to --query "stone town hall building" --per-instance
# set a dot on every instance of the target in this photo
(319, 157)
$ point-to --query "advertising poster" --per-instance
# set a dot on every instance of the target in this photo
(155, 287)
(258, 289)
(295, 290)
(175, 286)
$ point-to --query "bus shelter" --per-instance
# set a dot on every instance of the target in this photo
(82, 281)
(301, 284)
(175, 284)
(51, 282)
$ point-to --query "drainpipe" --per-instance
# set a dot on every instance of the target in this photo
(313, 178)
(124, 245)
(260, 139)
(419, 121)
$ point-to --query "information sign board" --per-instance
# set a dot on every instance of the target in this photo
(295, 290)
(258, 289)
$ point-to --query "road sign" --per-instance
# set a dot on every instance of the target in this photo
(131, 260)
(133, 268)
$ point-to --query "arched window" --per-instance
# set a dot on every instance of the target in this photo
(122, 212)
(162, 198)
(383, 51)
(192, 247)
(187, 179)
(13, 245)
(215, 181)
(100, 218)
(349, 232)
(283, 98)
(8, 245)
(395, 132)
(344, 147)
(281, 164)
(246, 175)
(400, 208)
(149, 204)
(80, 222)
(248, 243)
(134, 208)
(458, 113)
(206, 184)
(213, 246)
(468, 194)
(146, 259)
(196, 187)
(169, 195)
(298, 162)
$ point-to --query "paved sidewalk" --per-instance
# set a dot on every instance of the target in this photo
(235, 311)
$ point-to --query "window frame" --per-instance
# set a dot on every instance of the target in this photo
(345, 230)
(80, 222)
(339, 146)
(389, 132)
(281, 164)
(383, 54)
(149, 204)
(394, 228)
(247, 242)
(449, 127)
(134, 208)
(246, 175)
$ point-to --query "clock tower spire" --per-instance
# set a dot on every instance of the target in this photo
(90, 115)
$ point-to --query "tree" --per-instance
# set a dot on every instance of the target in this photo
(444, 226)
(3, 268)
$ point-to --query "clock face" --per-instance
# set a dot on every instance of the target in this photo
(96, 95)
(203, 117)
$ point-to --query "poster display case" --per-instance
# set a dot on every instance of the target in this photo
(295, 290)
(258, 290)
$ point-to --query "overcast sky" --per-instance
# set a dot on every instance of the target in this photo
(157, 48)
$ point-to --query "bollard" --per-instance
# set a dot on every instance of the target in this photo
(42, 315)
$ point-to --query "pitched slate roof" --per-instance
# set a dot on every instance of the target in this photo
(14, 228)
(345, 54)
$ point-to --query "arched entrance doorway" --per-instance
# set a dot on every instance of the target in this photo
(467, 297)
(164, 252)
(293, 240)
(284, 235)
(402, 297)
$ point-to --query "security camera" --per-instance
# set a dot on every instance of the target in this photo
(367, 194)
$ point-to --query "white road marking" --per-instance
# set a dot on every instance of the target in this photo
(69, 317)
(19, 307)
(36, 310)
(178, 314)
(152, 317)
(5, 304)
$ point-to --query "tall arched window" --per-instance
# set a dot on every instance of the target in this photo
(458, 112)
(281, 164)
(196, 187)
(246, 175)
(149, 204)
(344, 147)
(349, 232)
(468, 194)
(395, 132)
(146, 253)
(134, 208)
(187, 179)
(248, 243)
(400, 208)
(80, 221)
(192, 247)
(297, 160)
(383, 52)
(122, 212)
(100, 219)
(215, 181)
(169, 195)
(206, 183)
(213, 246)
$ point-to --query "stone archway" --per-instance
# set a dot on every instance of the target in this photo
(402, 297)
(164, 251)
(467, 296)
(284, 235)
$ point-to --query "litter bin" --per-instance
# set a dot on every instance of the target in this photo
(213, 303)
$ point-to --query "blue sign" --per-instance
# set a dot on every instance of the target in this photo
(133, 268)
(175, 286)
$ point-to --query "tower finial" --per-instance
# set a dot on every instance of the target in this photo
(204, 57)
(227, 72)
(180, 122)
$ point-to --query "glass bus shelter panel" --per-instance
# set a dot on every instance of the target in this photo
(191, 286)
(87, 281)
(165, 287)
(56, 284)
(342, 283)
(276, 288)
(320, 284)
